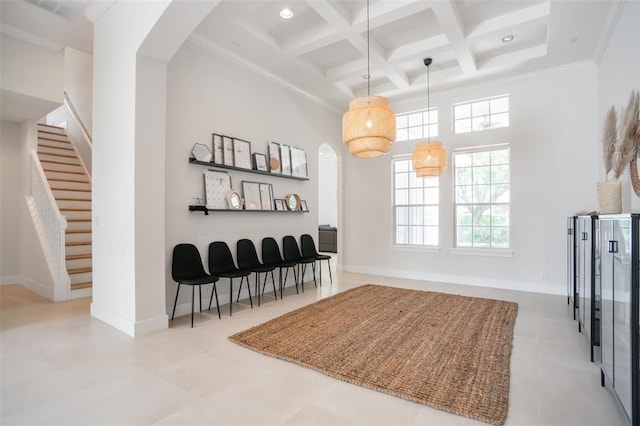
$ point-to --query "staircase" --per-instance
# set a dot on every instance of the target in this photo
(71, 188)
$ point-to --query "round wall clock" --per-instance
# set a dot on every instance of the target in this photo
(234, 201)
(293, 202)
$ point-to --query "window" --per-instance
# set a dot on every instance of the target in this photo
(416, 203)
(482, 193)
(417, 125)
(482, 114)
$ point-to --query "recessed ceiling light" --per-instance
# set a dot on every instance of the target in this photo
(508, 38)
(286, 13)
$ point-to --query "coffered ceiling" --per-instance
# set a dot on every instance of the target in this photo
(321, 52)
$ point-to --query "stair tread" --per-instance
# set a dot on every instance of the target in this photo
(72, 199)
(70, 189)
(53, 154)
(46, 145)
(79, 270)
(78, 256)
(77, 231)
(74, 209)
(59, 162)
(77, 243)
(55, 179)
(78, 286)
(71, 172)
(78, 220)
(54, 140)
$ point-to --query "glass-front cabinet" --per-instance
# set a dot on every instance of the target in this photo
(588, 281)
(620, 272)
(571, 264)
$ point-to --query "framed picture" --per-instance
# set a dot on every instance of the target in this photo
(303, 206)
(260, 162)
(274, 157)
(251, 192)
(216, 186)
(218, 156)
(241, 154)
(280, 206)
(201, 152)
(285, 160)
(298, 162)
(266, 196)
(227, 151)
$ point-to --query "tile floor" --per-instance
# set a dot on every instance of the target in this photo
(60, 366)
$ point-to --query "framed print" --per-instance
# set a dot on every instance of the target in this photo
(260, 162)
(266, 196)
(285, 160)
(241, 154)
(292, 201)
(280, 205)
(201, 152)
(303, 206)
(216, 186)
(251, 192)
(234, 201)
(274, 157)
(218, 156)
(298, 162)
(227, 151)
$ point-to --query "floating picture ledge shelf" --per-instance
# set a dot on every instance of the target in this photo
(240, 169)
(206, 211)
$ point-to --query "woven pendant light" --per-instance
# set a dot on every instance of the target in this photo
(429, 158)
(369, 127)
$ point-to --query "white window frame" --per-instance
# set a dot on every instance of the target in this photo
(483, 114)
(411, 119)
(414, 183)
(490, 249)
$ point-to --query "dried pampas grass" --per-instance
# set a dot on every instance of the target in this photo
(609, 139)
(626, 148)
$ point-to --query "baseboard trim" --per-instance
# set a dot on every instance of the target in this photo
(37, 287)
(131, 328)
(532, 287)
(10, 279)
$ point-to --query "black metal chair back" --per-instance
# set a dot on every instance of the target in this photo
(246, 254)
(290, 249)
(220, 259)
(308, 246)
(271, 252)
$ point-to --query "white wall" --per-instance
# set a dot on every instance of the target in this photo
(618, 75)
(78, 83)
(11, 198)
(554, 159)
(327, 186)
(207, 94)
(21, 257)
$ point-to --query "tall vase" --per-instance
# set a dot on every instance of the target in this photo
(610, 197)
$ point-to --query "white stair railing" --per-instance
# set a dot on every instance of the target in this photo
(50, 226)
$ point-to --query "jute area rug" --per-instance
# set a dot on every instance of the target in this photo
(447, 351)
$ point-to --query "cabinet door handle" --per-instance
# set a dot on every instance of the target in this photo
(569, 231)
(613, 246)
(585, 236)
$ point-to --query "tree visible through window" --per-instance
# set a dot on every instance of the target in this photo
(416, 203)
(482, 197)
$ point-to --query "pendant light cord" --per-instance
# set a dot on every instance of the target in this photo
(368, 60)
(428, 107)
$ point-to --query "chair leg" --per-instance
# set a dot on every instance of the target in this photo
(257, 287)
(200, 296)
(320, 271)
(248, 288)
(217, 304)
(193, 298)
(231, 295)
(313, 268)
(176, 302)
(329, 265)
(275, 293)
(280, 280)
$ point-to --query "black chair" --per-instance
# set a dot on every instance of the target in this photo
(271, 256)
(292, 253)
(308, 247)
(186, 268)
(221, 264)
(248, 259)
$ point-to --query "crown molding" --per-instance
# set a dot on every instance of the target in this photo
(605, 35)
